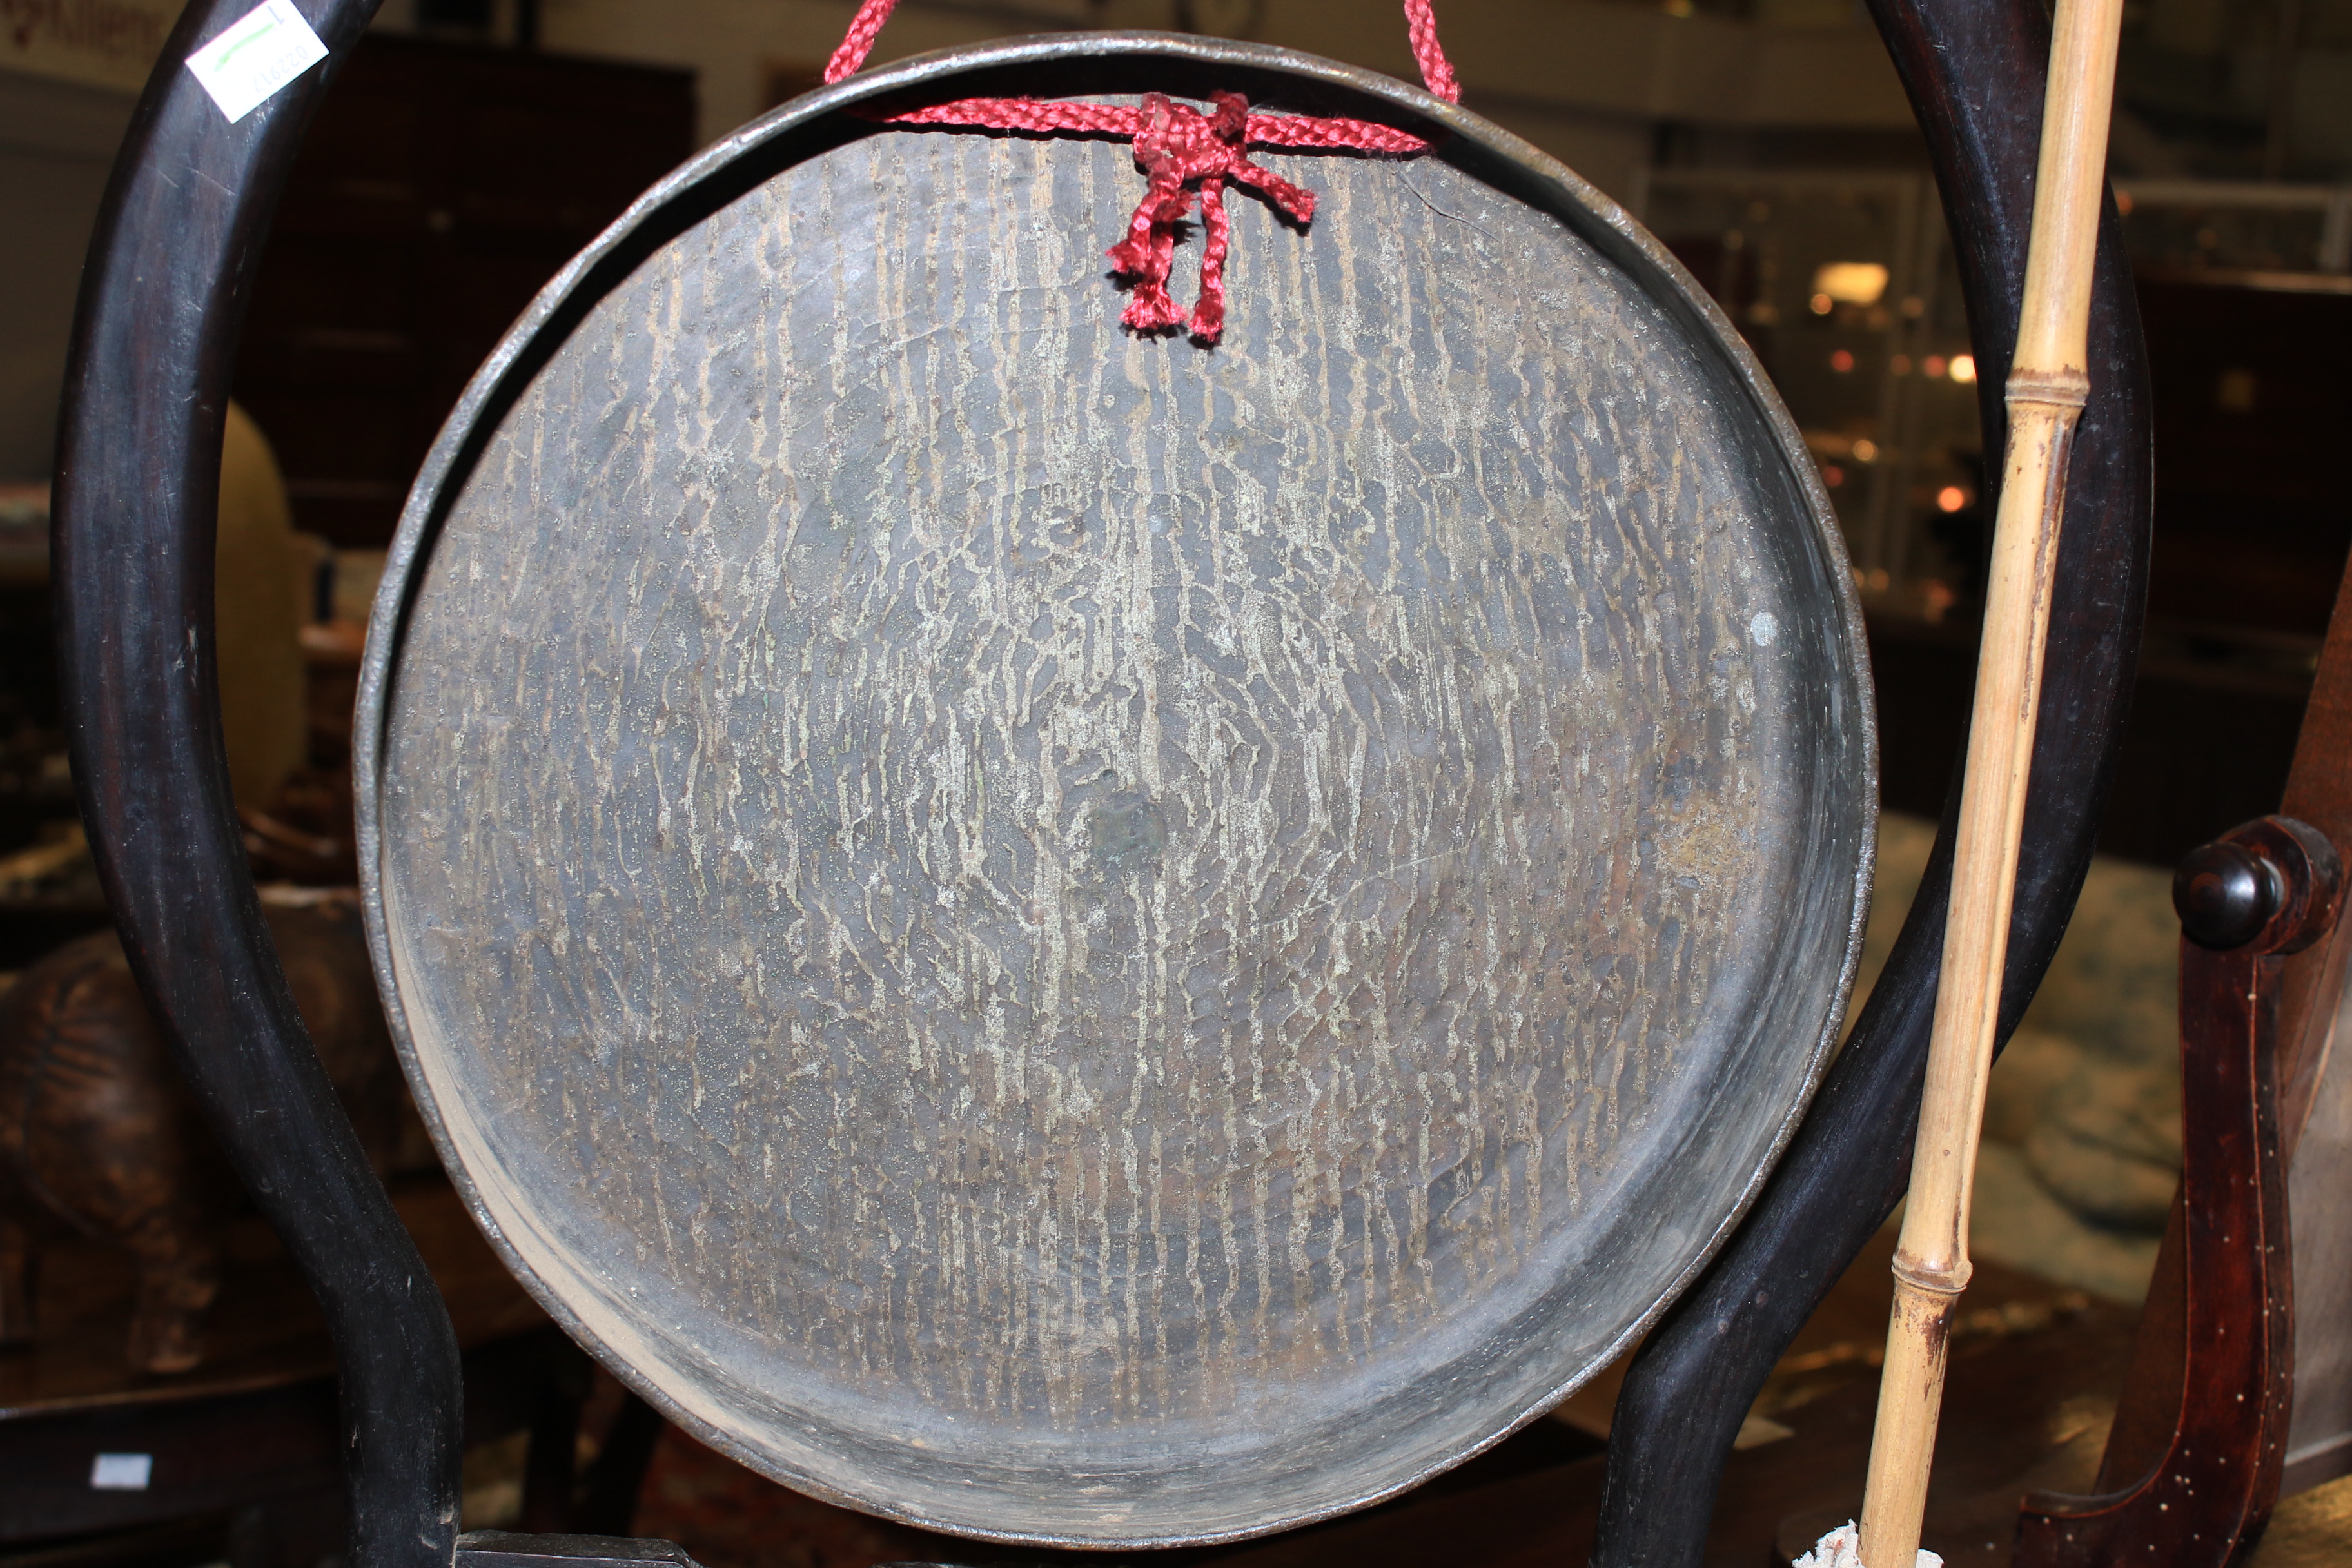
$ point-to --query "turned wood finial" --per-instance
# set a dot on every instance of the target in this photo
(2224, 1383)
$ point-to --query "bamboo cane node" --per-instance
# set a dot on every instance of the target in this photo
(1941, 1279)
(2048, 387)
(2057, 388)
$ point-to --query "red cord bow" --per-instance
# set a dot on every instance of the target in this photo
(1183, 150)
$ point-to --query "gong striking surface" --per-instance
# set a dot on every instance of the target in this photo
(1076, 939)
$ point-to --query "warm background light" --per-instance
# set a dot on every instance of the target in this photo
(1952, 497)
(1964, 368)
(1850, 282)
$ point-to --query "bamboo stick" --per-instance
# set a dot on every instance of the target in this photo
(2046, 391)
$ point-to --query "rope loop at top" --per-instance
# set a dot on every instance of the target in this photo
(1420, 21)
(1190, 157)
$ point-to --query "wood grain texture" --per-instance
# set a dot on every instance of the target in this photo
(2314, 1116)
(2269, 888)
(1076, 938)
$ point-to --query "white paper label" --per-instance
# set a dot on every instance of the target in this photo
(263, 50)
(121, 1472)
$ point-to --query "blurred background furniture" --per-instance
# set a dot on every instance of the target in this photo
(241, 1459)
(1843, 280)
(441, 185)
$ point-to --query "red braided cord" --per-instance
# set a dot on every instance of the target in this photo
(1436, 71)
(858, 42)
(1316, 132)
(1044, 117)
(1184, 152)
(1054, 117)
(1209, 311)
(1420, 21)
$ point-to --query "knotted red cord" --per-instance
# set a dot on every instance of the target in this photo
(1183, 153)
(1181, 150)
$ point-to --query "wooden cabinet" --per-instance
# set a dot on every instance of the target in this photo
(440, 186)
(2252, 380)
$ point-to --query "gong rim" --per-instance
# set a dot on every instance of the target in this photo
(804, 129)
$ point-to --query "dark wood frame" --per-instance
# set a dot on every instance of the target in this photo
(137, 476)
(1975, 73)
(154, 340)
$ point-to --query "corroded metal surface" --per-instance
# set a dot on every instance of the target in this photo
(1076, 939)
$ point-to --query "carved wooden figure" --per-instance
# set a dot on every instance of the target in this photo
(98, 1132)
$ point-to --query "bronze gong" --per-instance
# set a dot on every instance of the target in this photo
(1078, 939)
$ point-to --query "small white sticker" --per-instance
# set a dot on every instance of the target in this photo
(262, 51)
(121, 1472)
(1764, 628)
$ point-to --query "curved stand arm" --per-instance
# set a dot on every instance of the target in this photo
(2268, 890)
(1975, 70)
(138, 477)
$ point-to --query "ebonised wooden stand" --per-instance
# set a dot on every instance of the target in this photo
(159, 319)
